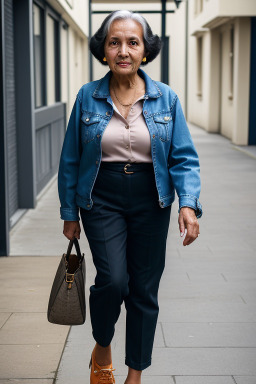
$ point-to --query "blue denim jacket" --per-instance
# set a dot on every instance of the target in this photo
(175, 160)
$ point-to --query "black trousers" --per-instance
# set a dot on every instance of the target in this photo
(127, 231)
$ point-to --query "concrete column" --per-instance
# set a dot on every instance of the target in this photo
(241, 80)
(213, 124)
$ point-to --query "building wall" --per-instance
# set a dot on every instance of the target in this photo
(212, 13)
(176, 29)
(219, 68)
(77, 64)
(74, 12)
(74, 44)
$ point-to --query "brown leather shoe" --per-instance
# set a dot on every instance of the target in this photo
(100, 374)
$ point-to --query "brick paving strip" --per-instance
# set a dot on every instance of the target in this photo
(207, 320)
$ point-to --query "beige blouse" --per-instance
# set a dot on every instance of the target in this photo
(127, 139)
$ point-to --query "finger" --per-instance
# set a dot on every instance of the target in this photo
(188, 241)
(69, 235)
(181, 225)
(78, 231)
(192, 232)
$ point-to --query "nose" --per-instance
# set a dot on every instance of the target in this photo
(123, 49)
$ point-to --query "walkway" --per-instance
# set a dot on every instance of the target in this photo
(206, 330)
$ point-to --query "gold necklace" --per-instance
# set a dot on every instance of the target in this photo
(124, 105)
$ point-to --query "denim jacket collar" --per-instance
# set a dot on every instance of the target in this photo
(152, 90)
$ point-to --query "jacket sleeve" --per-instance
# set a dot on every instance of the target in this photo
(184, 164)
(69, 166)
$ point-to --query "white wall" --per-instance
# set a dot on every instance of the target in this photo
(198, 106)
(242, 81)
(74, 12)
(217, 110)
(215, 12)
(176, 29)
(74, 48)
(227, 104)
(78, 65)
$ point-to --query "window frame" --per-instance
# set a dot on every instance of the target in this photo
(42, 51)
(231, 60)
(199, 42)
(46, 9)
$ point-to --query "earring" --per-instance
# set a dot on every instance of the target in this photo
(144, 59)
(104, 59)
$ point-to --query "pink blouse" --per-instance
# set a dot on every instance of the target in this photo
(127, 139)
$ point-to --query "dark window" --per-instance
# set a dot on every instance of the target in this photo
(39, 49)
(46, 54)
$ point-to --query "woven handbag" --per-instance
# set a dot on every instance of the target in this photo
(67, 298)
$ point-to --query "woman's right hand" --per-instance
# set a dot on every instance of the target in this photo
(71, 229)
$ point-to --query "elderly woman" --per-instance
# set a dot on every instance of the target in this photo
(127, 149)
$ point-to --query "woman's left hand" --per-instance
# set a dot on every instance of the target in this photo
(187, 219)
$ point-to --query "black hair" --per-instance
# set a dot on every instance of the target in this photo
(152, 43)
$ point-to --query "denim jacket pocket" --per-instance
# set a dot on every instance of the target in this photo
(163, 123)
(89, 124)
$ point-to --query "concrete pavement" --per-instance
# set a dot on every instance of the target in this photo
(207, 320)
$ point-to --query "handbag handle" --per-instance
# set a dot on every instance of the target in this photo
(70, 246)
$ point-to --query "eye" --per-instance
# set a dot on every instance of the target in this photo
(133, 41)
(113, 42)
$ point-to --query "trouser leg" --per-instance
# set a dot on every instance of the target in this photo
(147, 229)
(106, 230)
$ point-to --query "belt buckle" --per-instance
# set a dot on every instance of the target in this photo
(125, 169)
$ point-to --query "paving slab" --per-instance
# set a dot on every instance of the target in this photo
(204, 380)
(26, 283)
(245, 379)
(203, 361)
(26, 381)
(4, 317)
(29, 361)
(209, 334)
(248, 149)
(201, 312)
(32, 328)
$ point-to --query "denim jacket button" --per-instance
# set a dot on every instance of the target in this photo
(108, 113)
(88, 205)
(153, 136)
(87, 119)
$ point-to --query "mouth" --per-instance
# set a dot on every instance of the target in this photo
(123, 64)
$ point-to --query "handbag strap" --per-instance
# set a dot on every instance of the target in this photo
(70, 246)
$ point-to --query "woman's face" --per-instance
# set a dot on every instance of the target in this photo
(124, 47)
